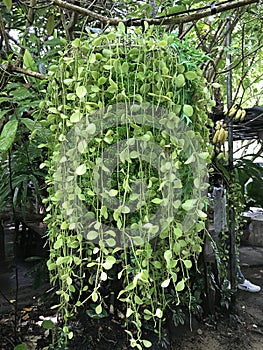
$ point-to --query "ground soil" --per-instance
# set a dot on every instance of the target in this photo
(239, 328)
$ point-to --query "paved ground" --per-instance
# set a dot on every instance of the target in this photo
(251, 256)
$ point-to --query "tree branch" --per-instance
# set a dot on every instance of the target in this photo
(156, 21)
(13, 68)
(4, 35)
(86, 12)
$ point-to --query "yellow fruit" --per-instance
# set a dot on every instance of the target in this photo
(243, 115)
(218, 125)
(238, 114)
(232, 111)
(215, 138)
(221, 135)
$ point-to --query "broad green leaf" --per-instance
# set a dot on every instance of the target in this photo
(159, 313)
(190, 75)
(138, 300)
(28, 61)
(197, 182)
(125, 209)
(189, 204)
(110, 242)
(21, 346)
(81, 91)
(121, 27)
(103, 276)
(94, 296)
(92, 58)
(64, 225)
(106, 52)
(125, 67)
(188, 110)
(82, 146)
(113, 193)
(91, 129)
(70, 335)
(190, 160)
(98, 309)
(165, 283)
(8, 5)
(8, 134)
(180, 286)
(168, 255)
(109, 262)
(29, 123)
(81, 169)
(157, 201)
(50, 24)
(204, 155)
(187, 263)
(69, 281)
(91, 235)
(146, 343)
(76, 117)
(179, 80)
(201, 214)
(129, 312)
(216, 85)
(48, 324)
(102, 80)
(58, 244)
(162, 43)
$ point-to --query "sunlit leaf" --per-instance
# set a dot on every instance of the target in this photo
(50, 24)
(8, 4)
(81, 169)
(28, 61)
(8, 135)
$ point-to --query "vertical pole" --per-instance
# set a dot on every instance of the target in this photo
(232, 233)
(2, 242)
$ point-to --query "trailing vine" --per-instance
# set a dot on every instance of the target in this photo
(142, 75)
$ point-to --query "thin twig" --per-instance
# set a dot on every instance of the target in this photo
(3, 32)
(176, 19)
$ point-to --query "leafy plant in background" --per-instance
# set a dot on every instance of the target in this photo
(22, 182)
(96, 73)
(39, 30)
(249, 175)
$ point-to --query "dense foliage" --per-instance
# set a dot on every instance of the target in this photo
(64, 61)
(146, 242)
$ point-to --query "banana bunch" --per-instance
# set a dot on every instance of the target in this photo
(236, 112)
(220, 134)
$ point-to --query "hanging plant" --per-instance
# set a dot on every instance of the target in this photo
(127, 174)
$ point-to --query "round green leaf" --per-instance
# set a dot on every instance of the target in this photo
(165, 283)
(81, 91)
(146, 343)
(91, 235)
(75, 117)
(188, 110)
(47, 324)
(179, 80)
(180, 286)
(98, 309)
(81, 169)
(91, 129)
(190, 75)
(188, 264)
